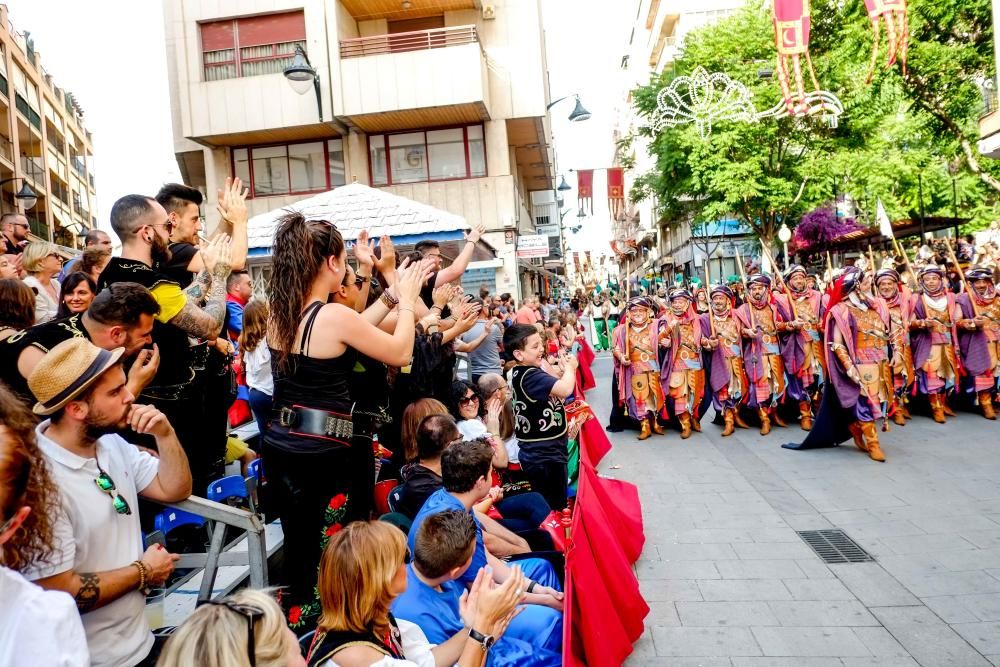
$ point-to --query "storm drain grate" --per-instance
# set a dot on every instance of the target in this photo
(834, 546)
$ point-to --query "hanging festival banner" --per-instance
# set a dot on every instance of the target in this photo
(576, 261)
(897, 31)
(585, 189)
(586, 262)
(792, 22)
(616, 191)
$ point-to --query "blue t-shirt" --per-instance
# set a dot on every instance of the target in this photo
(441, 501)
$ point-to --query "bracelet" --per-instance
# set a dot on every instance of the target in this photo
(142, 574)
(531, 586)
(439, 309)
(406, 309)
(389, 300)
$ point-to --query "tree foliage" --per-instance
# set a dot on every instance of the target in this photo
(899, 137)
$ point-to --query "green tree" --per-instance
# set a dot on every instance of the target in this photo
(892, 137)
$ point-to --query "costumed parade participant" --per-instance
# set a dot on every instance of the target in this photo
(722, 338)
(636, 349)
(683, 373)
(932, 338)
(859, 385)
(805, 368)
(764, 324)
(898, 301)
(979, 337)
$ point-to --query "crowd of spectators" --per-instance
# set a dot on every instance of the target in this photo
(119, 373)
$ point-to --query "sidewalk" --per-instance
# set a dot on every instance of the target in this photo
(729, 581)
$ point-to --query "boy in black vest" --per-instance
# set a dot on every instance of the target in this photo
(539, 414)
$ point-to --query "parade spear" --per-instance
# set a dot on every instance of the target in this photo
(965, 285)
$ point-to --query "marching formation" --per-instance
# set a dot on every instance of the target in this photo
(843, 363)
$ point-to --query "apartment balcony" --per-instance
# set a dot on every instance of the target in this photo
(78, 166)
(6, 149)
(367, 10)
(425, 78)
(989, 127)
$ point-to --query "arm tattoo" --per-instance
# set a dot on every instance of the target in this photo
(200, 286)
(89, 593)
(216, 300)
(205, 322)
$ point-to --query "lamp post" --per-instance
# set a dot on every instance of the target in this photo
(785, 235)
(563, 185)
(300, 74)
(25, 195)
(579, 112)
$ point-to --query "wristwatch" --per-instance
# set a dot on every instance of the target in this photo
(486, 641)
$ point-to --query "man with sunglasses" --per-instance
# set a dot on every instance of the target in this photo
(97, 556)
(14, 229)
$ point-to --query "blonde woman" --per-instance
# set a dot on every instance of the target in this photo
(246, 629)
(362, 571)
(43, 263)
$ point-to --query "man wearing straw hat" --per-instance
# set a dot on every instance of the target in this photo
(97, 556)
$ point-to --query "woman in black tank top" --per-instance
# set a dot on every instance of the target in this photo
(318, 462)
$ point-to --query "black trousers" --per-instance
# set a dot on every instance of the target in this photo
(549, 478)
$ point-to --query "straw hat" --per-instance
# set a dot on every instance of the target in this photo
(66, 372)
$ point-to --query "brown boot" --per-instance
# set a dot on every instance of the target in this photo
(986, 403)
(937, 409)
(776, 418)
(871, 441)
(695, 424)
(859, 441)
(906, 410)
(657, 429)
(739, 420)
(727, 416)
(898, 418)
(944, 405)
(805, 415)
(765, 421)
(644, 431)
(685, 420)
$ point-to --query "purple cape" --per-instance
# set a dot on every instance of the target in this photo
(972, 345)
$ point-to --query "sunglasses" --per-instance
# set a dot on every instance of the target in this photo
(56, 255)
(467, 400)
(251, 613)
(107, 485)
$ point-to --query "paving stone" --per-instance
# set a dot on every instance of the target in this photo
(760, 569)
(951, 583)
(818, 589)
(925, 544)
(677, 569)
(662, 614)
(880, 642)
(810, 642)
(984, 637)
(712, 642)
(669, 590)
(679, 662)
(773, 550)
(787, 662)
(698, 552)
(713, 535)
(926, 638)
(951, 608)
(879, 662)
(728, 613)
(872, 585)
(809, 613)
(814, 568)
(738, 590)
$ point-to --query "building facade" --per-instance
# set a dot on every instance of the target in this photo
(652, 245)
(439, 101)
(44, 144)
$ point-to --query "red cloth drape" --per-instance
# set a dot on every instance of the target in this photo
(585, 189)
(607, 537)
(616, 190)
(585, 376)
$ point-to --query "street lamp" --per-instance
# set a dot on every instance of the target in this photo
(300, 74)
(785, 235)
(563, 185)
(25, 195)
(578, 113)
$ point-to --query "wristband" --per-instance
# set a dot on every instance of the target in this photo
(142, 574)
(531, 586)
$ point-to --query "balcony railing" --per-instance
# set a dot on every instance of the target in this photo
(3, 86)
(6, 149)
(38, 227)
(33, 169)
(28, 112)
(419, 40)
(59, 190)
(79, 166)
(90, 177)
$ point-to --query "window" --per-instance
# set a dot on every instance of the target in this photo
(431, 155)
(314, 166)
(252, 45)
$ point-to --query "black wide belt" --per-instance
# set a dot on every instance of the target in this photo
(300, 420)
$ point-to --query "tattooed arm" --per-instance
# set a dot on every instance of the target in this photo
(197, 290)
(93, 590)
(207, 322)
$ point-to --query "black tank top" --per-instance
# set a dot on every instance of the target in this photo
(310, 382)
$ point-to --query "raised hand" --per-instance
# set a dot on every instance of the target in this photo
(232, 201)
(364, 249)
(440, 296)
(476, 233)
(145, 419)
(144, 368)
(386, 263)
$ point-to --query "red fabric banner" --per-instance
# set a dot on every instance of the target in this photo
(585, 189)
(616, 191)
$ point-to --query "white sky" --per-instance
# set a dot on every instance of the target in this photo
(110, 54)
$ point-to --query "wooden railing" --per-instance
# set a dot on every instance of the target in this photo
(418, 40)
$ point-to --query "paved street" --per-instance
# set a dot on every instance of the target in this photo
(730, 583)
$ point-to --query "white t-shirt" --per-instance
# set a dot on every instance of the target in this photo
(472, 429)
(91, 537)
(38, 627)
(46, 308)
(257, 364)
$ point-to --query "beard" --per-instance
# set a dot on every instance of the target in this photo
(160, 250)
(97, 425)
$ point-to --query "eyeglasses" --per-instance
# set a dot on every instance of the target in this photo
(467, 400)
(20, 224)
(252, 614)
(56, 255)
(107, 485)
(407, 556)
